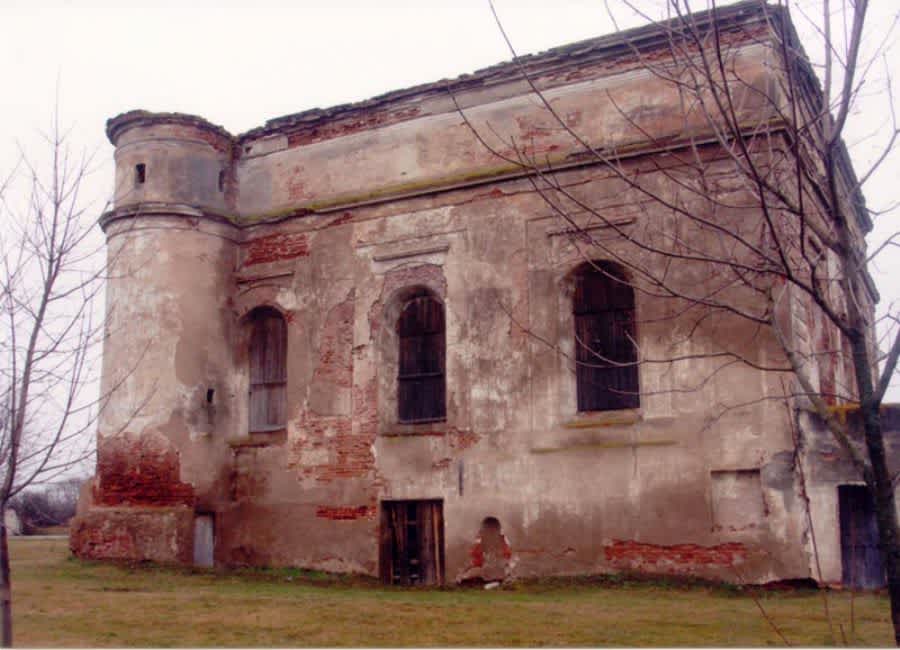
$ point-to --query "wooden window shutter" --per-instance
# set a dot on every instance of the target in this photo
(606, 370)
(421, 383)
(268, 373)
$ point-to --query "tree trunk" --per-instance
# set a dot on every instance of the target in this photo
(879, 481)
(885, 511)
(5, 585)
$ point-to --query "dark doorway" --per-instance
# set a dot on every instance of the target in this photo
(412, 542)
(859, 539)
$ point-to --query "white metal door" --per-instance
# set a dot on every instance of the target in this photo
(204, 540)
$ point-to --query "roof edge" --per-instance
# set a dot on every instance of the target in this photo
(117, 125)
(574, 54)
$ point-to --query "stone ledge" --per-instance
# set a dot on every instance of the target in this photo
(604, 419)
(586, 445)
(259, 439)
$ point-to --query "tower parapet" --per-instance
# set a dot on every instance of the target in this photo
(171, 159)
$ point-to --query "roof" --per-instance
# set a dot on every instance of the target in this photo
(566, 56)
(570, 55)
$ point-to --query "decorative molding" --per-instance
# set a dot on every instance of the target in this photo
(572, 230)
(413, 252)
(243, 278)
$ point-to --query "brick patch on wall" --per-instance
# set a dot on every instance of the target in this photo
(461, 439)
(139, 470)
(133, 533)
(336, 345)
(636, 555)
(345, 512)
(336, 127)
(102, 542)
(272, 248)
(348, 455)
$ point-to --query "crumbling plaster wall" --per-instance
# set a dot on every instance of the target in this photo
(654, 489)
(168, 342)
(826, 468)
(616, 109)
(574, 494)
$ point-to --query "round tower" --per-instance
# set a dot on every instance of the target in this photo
(167, 353)
(170, 158)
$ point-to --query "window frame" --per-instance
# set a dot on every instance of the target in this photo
(604, 313)
(266, 368)
(427, 374)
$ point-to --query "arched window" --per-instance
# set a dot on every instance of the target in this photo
(421, 384)
(605, 352)
(268, 374)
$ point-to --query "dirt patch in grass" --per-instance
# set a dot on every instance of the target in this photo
(59, 601)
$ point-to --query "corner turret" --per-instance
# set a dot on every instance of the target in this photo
(171, 159)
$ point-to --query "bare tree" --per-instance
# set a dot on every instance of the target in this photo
(49, 280)
(754, 217)
(51, 504)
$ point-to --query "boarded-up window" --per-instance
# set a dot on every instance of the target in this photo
(606, 357)
(421, 384)
(268, 376)
(737, 500)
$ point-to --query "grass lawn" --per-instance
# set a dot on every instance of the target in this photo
(59, 601)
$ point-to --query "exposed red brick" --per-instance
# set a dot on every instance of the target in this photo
(345, 512)
(272, 248)
(134, 533)
(349, 455)
(217, 141)
(365, 408)
(347, 217)
(98, 542)
(336, 346)
(337, 127)
(443, 463)
(349, 449)
(139, 470)
(461, 440)
(675, 558)
(296, 185)
(533, 137)
(476, 553)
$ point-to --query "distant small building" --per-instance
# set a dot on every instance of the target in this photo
(12, 521)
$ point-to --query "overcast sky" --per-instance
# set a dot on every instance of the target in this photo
(239, 65)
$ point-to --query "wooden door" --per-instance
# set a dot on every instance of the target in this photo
(860, 556)
(412, 542)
